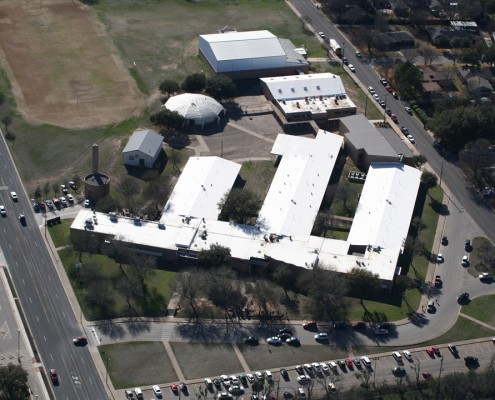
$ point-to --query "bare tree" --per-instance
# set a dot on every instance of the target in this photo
(410, 55)
(429, 54)
(55, 188)
(128, 186)
(190, 285)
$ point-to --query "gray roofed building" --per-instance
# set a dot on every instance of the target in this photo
(479, 87)
(143, 148)
(366, 144)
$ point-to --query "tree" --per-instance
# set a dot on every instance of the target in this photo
(347, 194)
(55, 188)
(46, 189)
(37, 192)
(7, 120)
(419, 160)
(475, 158)
(13, 382)
(194, 83)
(168, 119)
(128, 186)
(77, 180)
(284, 277)
(240, 205)
(429, 179)
(264, 296)
(429, 54)
(190, 285)
(220, 87)
(217, 256)
(408, 79)
(362, 283)
(169, 87)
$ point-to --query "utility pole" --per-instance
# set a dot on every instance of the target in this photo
(106, 376)
(18, 344)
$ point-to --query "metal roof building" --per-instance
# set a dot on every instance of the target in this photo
(197, 109)
(143, 148)
(250, 53)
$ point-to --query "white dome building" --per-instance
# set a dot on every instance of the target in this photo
(198, 109)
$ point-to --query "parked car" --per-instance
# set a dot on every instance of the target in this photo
(275, 341)
(352, 68)
(445, 241)
(359, 325)
(63, 201)
(299, 369)
(398, 371)
(485, 277)
(404, 130)
(381, 331)
(430, 352)
(440, 258)
(465, 261)
(322, 35)
(174, 388)
(357, 363)
(467, 245)
(436, 350)
(157, 391)
(376, 97)
(408, 110)
(470, 360)
(389, 88)
(371, 90)
(438, 281)
(36, 206)
(366, 361)
(348, 363)
(321, 337)
(358, 54)
(407, 354)
(309, 325)
(331, 387)
(397, 356)
(293, 341)
(64, 188)
(49, 204)
(284, 373)
(383, 81)
(394, 118)
(252, 340)
(87, 203)
(410, 138)
(453, 349)
(431, 306)
(285, 330)
(345, 60)
(427, 375)
(70, 198)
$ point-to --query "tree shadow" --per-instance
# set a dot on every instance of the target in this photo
(149, 174)
(439, 207)
(136, 326)
(111, 329)
(198, 329)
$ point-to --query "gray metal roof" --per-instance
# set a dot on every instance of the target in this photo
(146, 141)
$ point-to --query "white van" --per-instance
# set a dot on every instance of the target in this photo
(269, 376)
(366, 361)
(139, 393)
(301, 393)
(397, 356)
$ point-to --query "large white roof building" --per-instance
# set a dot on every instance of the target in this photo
(235, 52)
(197, 109)
(189, 223)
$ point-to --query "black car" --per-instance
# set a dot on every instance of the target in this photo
(284, 373)
(467, 245)
(453, 349)
(345, 60)
(293, 341)
(445, 241)
(22, 219)
(385, 325)
(288, 395)
(300, 369)
(284, 336)
(285, 330)
(398, 371)
(463, 298)
(252, 340)
(470, 360)
(243, 379)
(217, 383)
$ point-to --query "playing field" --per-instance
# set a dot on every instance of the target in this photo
(64, 68)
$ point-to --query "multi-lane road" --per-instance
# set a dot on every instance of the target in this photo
(45, 304)
(367, 75)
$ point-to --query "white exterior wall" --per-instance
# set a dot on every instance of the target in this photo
(249, 64)
(133, 157)
(207, 52)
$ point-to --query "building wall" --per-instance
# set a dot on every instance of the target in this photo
(133, 158)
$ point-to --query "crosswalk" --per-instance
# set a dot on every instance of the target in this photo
(167, 331)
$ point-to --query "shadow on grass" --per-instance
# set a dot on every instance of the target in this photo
(439, 207)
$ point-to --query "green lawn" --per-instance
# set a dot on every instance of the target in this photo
(60, 233)
(258, 176)
(148, 362)
(476, 264)
(482, 308)
(102, 278)
(464, 329)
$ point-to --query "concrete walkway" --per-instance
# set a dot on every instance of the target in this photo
(477, 321)
(173, 360)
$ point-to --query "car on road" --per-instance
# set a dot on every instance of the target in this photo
(54, 376)
(396, 95)
(467, 245)
(80, 341)
(381, 331)
(445, 241)
(322, 35)
(438, 281)
(431, 306)
(321, 337)
(352, 68)
(358, 54)
(382, 104)
(359, 325)
(275, 341)
(388, 111)
(157, 391)
(404, 130)
(485, 277)
(376, 97)
(3, 213)
(285, 330)
(87, 203)
(394, 118)
(465, 261)
(383, 81)
(22, 219)
(408, 110)
(345, 60)
(252, 340)
(14, 196)
(389, 88)
(309, 325)
(398, 371)
(410, 138)
(174, 388)
(437, 143)
(453, 349)
(440, 258)
(371, 90)
(293, 341)
(463, 298)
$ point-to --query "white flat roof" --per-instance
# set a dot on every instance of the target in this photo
(244, 45)
(297, 189)
(302, 86)
(202, 184)
(386, 206)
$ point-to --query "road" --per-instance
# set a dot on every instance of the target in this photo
(44, 301)
(452, 177)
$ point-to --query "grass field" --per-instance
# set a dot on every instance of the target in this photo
(162, 42)
(481, 308)
(148, 362)
(198, 360)
(265, 356)
(60, 233)
(463, 329)
(65, 69)
(258, 176)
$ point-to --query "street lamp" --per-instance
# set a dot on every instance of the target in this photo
(441, 365)
(18, 343)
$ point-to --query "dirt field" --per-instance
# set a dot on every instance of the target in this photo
(63, 66)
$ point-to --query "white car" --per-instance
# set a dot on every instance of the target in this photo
(208, 382)
(322, 35)
(250, 378)
(407, 354)
(410, 138)
(485, 277)
(70, 198)
(259, 375)
(14, 196)
(324, 367)
(465, 261)
(366, 361)
(225, 380)
(274, 340)
(268, 375)
(332, 387)
(87, 203)
(376, 97)
(352, 68)
(440, 258)
(316, 367)
(397, 356)
(63, 201)
(157, 391)
(333, 365)
(371, 90)
(2, 211)
(234, 380)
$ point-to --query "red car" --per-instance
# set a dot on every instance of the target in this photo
(394, 117)
(430, 353)
(436, 350)
(359, 325)
(348, 362)
(389, 88)
(54, 376)
(309, 325)
(427, 375)
(175, 388)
